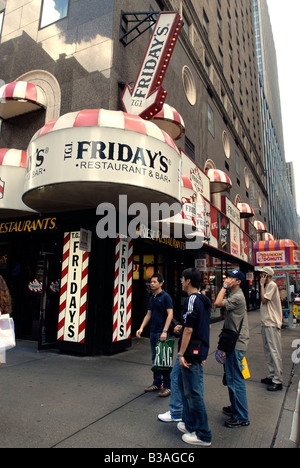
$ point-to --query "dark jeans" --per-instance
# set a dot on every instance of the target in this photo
(194, 415)
(158, 378)
(236, 385)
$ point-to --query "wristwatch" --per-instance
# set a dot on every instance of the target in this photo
(165, 331)
(225, 286)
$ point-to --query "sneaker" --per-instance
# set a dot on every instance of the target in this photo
(167, 417)
(192, 439)
(152, 388)
(164, 392)
(274, 387)
(227, 410)
(267, 381)
(233, 423)
(181, 427)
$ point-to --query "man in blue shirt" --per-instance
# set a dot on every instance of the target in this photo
(196, 329)
(160, 313)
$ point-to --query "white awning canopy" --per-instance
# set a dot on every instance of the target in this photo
(20, 97)
(169, 120)
(245, 210)
(260, 226)
(219, 180)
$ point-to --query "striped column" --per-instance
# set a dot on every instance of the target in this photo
(73, 291)
(129, 290)
(63, 286)
(83, 299)
(122, 306)
(116, 290)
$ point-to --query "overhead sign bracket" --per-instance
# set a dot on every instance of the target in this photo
(134, 24)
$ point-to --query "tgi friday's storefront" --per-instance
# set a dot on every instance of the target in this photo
(56, 276)
(228, 237)
(71, 287)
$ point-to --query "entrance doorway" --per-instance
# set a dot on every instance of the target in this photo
(149, 259)
(34, 281)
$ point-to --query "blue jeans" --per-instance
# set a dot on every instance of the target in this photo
(158, 378)
(236, 385)
(175, 404)
(194, 414)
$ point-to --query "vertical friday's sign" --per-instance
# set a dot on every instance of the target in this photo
(122, 289)
(73, 291)
(148, 96)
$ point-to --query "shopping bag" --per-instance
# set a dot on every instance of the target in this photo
(7, 333)
(246, 372)
(163, 361)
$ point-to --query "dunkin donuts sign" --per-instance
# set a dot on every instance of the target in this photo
(270, 257)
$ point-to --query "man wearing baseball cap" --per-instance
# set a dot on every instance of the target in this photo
(271, 321)
(236, 320)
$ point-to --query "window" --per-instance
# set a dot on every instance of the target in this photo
(209, 165)
(210, 120)
(219, 24)
(205, 22)
(189, 85)
(238, 199)
(237, 163)
(247, 177)
(186, 24)
(189, 148)
(220, 57)
(226, 144)
(1, 20)
(52, 11)
(207, 66)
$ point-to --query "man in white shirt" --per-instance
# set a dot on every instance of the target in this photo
(271, 321)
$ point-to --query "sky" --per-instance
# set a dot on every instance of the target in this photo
(285, 20)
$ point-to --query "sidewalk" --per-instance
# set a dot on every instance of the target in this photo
(53, 400)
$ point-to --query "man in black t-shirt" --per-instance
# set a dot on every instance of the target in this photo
(196, 326)
(160, 313)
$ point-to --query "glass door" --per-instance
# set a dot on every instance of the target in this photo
(34, 280)
(49, 301)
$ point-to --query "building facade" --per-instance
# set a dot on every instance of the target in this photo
(291, 180)
(65, 135)
(280, 195)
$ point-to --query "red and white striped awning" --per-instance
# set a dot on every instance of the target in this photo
(12, 175)
(260, 226)
(20, 97)
(13, 157)
(187, 216)
(219, 180)
(105, 118)
(269, 237)
(169, 120)
(187, 183)
(246, 211)
(141, 161)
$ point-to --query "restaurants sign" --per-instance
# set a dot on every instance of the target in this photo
(147, 96)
